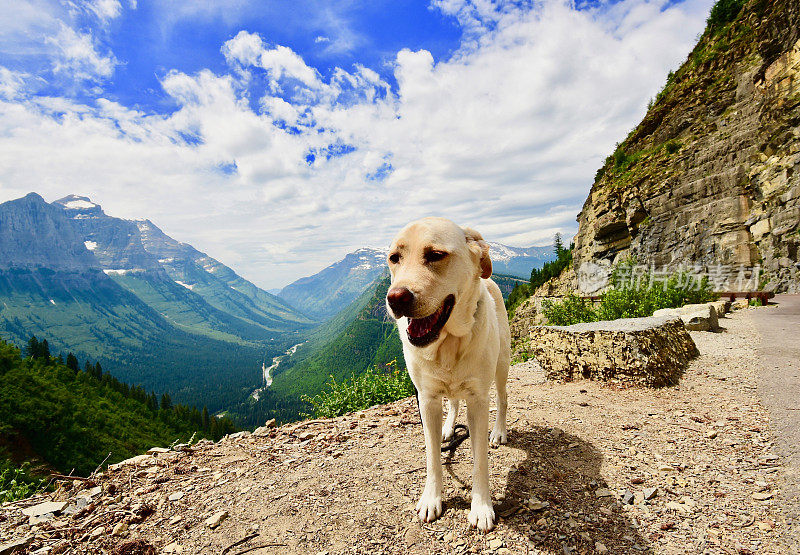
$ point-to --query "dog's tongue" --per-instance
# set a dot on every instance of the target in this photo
(418, 327)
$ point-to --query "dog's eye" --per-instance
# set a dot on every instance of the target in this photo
(394, 258)
(434, 256)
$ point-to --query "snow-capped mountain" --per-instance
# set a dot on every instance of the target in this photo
(518, 261)
(330, 290)
(87, 283)
(160, 270)
(325, 293)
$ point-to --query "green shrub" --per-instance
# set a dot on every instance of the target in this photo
(723, 12)
(520, 292)
(631, 296)
(571, 310)
(373, 387)
(621, 158)
(672, 146)
(16, 483)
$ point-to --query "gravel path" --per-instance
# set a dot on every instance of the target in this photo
(589, 468)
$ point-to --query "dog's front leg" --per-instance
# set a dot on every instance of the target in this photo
(429, 506)
(481, 513)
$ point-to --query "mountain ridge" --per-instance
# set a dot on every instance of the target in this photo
(330, 290)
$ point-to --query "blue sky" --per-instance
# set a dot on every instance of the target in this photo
(277, 136)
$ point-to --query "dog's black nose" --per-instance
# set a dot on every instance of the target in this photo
(400, 300)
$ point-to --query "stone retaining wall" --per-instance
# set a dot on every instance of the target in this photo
(650, 352)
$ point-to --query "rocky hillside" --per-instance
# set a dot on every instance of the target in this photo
(710, 176)
(34, 235)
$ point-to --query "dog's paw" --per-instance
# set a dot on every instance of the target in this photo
(498, 437)
(429, 507)
(481, 516)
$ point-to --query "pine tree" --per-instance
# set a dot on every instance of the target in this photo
(72, 362)
(32, 350)
(98, 370)
(166, 402)
(206, 421)
(44, 350)
(558, 243)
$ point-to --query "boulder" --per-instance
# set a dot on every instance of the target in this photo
(722, 307)
(740, 304)
(650, 352)
(138, 460)
(696, 317)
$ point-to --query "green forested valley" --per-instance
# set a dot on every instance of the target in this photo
(357, 338)
(63, 416)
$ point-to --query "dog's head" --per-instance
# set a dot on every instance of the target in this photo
(436, 268)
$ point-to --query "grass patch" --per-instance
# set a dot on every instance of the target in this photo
(672, 146)
(17, 482)
(376, 386)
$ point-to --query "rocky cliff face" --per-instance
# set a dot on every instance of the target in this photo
(116, 243)
(710, 177)
(34, 235)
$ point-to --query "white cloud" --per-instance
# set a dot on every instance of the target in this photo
(247, 49)
(78, 56)
(504, 136)
(105, 10)
(11, 83)
(53, 42)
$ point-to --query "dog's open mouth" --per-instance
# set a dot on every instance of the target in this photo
(422, 331)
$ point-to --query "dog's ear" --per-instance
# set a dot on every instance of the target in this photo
(480, 247)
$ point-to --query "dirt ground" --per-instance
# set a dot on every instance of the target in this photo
(573, 478)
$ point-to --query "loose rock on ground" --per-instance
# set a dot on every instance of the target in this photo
(588, 468)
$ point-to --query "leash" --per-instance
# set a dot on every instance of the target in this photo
(457, 439)
(460, 432)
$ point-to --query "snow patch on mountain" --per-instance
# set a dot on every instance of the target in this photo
(79, 204)
(124, 271)
(91, 245)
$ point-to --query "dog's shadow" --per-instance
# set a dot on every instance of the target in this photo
(561, 472)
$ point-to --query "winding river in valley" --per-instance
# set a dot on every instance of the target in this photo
(267, 370)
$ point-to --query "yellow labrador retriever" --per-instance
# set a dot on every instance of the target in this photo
(456, 342)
